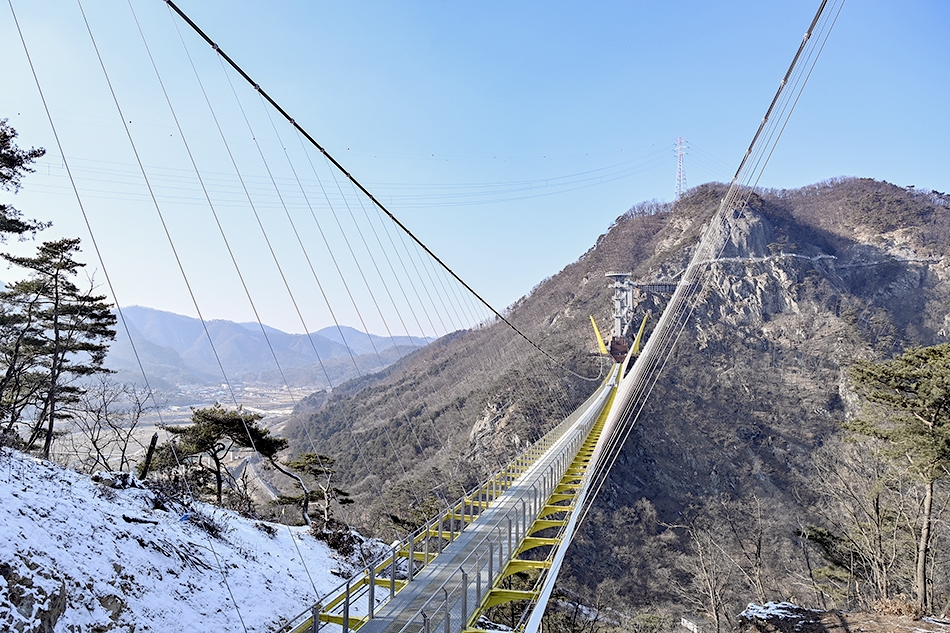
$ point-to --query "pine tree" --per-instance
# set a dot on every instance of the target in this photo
(216, 430)
(65, 332)
(910, 411)
(320, 468)
(14, 164)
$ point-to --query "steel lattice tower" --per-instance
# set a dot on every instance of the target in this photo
(681, 147)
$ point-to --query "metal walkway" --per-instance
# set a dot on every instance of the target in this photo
(443, 576)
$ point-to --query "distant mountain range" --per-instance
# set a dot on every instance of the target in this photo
(175, 350)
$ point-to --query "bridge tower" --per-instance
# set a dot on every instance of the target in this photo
(681, 147)
(623, 315)
(623, 303)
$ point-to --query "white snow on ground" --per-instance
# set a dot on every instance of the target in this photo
(73, 551)
(774, 610)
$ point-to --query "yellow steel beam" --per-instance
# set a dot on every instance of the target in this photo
(600, 339)
(544, 524)
(496, 597)
(333, 618)
(531, 542)
(564, 493)
(419, 556)
(636, 343)
(435, 533)
(516, 565)
(548, 510)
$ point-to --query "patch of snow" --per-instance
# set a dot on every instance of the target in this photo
(770, 610)
(78, 556)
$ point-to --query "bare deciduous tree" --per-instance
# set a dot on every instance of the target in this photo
(106, 418)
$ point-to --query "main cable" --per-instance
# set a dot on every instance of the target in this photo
(360, 186)
(711, 245)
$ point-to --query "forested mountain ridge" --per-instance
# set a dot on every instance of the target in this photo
(175, 350)
(722, 464)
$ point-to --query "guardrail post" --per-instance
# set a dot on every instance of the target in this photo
(392, 576)
(524, 521)
(509, 536)
(346, 608)
(315, 618)
(445, 606)
(491, 558)
(425, 622)
(371, 596)
(412, 557)
(478, 581)
(501, 560)
(464, 595)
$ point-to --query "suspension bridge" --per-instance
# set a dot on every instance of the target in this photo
(449, 572)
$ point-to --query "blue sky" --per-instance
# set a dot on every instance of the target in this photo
(507, 135)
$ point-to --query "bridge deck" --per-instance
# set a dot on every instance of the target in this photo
(500, 524)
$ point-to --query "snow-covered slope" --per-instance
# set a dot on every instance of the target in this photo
(76, 555)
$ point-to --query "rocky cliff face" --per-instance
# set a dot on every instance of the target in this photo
(809, 280)
(757, 384)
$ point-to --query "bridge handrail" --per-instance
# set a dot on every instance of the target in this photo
(442, 593)
(503, 477)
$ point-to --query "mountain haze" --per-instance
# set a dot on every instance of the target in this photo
(175, 350)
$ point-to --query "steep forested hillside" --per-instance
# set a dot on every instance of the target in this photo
(722, 475)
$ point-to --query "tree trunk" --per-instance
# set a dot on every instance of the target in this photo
(55, 363)
(923, 545)
(148, 457)
(219, 480)
(306, 493)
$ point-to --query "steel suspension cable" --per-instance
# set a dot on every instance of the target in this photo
(356, 182)
(237, 170)
(714, 239)
(378, 310)
(151, 192)
(224, 238)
